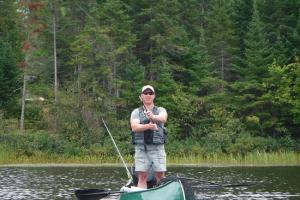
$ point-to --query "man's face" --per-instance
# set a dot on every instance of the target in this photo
(148, 96)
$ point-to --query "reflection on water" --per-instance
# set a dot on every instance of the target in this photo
(60, 182)
(54, 182)
(266, 182)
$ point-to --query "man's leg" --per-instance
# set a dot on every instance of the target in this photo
(159, 162)
(142, 165)
(159, 176)
(143, 176)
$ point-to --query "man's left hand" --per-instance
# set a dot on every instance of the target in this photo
(150, 115)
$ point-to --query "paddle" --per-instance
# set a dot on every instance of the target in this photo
(94, 194)
(217, 186)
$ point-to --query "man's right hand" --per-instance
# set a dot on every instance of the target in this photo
(153, 126)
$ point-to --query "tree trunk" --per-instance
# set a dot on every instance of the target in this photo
(222, 67)
(23, 103)
(55, 59)
(55, 65)
(79, 84)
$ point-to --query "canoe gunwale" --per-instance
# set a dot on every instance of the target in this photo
(158, 187)
(170, 189)
(182, 188)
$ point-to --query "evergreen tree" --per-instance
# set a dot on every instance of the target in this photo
(9, 81)
(195, 65)
(193, 14)
(296, 41)
(9, 27)
(241, 16)
(103, 53)
(10, 55)
(280, 19)
(160, 36)
(220, 38)
(257, 51)
(283, 94)
(115, 19)
(248, 91)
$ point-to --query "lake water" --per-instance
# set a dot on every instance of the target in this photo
(57, 182)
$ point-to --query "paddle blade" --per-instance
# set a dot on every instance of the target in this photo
(91, 194)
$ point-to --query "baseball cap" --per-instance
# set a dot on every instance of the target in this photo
(148, 87)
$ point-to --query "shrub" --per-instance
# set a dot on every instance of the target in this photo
(287, 143)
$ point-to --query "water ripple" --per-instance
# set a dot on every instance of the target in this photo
(61, 182)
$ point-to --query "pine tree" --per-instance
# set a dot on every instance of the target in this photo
(160, 37)
(257, 51)
(296, 42)
(115, 19)
(9, 81)
(280, 19)
(195, 65)
(248, 90)
(220, 38)
(241, 17)
(193, 15)
(10, 55)
(103, 53)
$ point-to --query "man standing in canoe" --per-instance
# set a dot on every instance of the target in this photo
(149, 137)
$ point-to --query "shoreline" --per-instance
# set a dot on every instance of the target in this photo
(120, 165)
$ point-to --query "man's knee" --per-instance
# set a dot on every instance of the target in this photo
(143, 176)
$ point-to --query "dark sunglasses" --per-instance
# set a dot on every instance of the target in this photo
(148, 93)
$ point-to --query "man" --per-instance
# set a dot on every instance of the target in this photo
(149, 137)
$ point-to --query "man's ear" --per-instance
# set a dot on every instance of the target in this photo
(140, 98)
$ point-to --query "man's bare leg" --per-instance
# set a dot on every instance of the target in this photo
(143, 176)
(159, 176)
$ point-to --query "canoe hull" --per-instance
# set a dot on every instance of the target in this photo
(169, 191)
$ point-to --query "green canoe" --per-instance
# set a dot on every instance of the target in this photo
(169, 189)
(172, 190)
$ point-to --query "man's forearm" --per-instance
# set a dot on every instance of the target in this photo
(160, 118)
(139, 127)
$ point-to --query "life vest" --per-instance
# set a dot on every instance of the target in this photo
(149, 136)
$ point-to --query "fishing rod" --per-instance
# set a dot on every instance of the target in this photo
(120, 155)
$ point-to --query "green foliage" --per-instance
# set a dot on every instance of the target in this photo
(283, 94)
(209, 61)
(77, 123)
(220, 38)
(280, 26)
(257, 51)
(184, 148)
(221, 131)
(9, 75)
(247, 143)
(33, 142)
(9, 30)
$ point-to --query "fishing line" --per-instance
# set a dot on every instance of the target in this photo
(120, 155)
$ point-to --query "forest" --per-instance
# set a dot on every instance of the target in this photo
(227, 72)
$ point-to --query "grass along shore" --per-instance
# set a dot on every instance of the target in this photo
(250, 159)
(254, 158)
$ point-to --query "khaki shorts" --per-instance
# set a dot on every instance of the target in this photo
(155, 156)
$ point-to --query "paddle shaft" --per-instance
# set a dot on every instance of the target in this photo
(105, 193)
(94, 194)
(218, 184)
(120, 155)
(221, 186)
